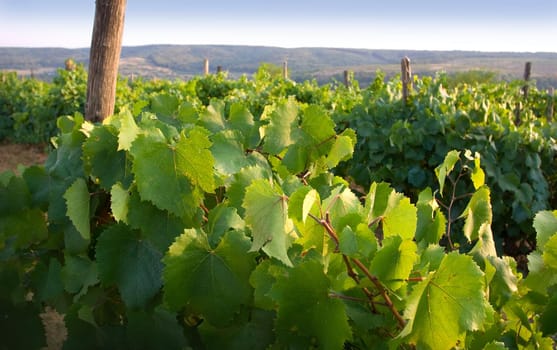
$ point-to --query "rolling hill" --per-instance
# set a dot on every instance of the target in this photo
(322, 64)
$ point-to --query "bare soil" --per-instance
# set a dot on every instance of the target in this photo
(11, 155)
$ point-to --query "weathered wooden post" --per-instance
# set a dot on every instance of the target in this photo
(106, 45)
(346, 78)
(524, 91)
(406, 77)
(285, 69)
(206, 67)
(219, 69)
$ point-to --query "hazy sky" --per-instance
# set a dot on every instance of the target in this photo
(484, 25)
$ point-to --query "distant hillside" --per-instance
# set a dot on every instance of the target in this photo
(322, 64)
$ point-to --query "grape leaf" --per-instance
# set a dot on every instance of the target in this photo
(158, 226)
(102, 159)
(550, 252)
(545, 223)
(229, 153)
(477, 213)
(267, 216)
(128, 129)
(342, 149)
(394, 262)
(155, 166)
(130, 262)
(254, 330)
(212, 118)
(210, 282)
(158, 329)
(431, 222)
(446, 167)
(78, 202)
(119, 200)
(194, 158)
(323, 321)
(78, 274)
(342, 205)
(449, 302)
(47, 280)
(278, 133)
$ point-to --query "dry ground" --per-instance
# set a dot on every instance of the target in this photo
(11, 155)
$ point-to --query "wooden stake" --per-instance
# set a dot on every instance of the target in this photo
(406, 77)
(285, 69)
(219, 69)
(106, 45)
(346, 78)
(206, 67)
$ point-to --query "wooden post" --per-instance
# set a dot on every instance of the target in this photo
(206, 67)
(219, 69)
(346, 78)
(106, 45)
(524, 90)
(550, 104)
(406, 77)
(285, 69)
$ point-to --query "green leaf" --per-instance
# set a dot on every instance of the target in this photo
(128, 130)
(431, 222)
(394, 262)
(119, 202)
(158, 179)
(545, 223)
(212, 118)
(360, 243)
(102, 159)
(262, 280)
(267, 216)
(400, 217)
(548, 318)
(78, 274)
(477, 213)
(317, 124)
(158, 329)
(255, 330)
(209, 282)
(164, 104)
(158, 226)
(221, 219)
(130, 262)
(550, 252)
(444, 169)
(47, 281)
(230, 155)
(323, 322)
(342, 149)
(278, 133)
(447, 304)
(478, 175)
(194, 158)
(343, 207)
(78, 201)
(241, 181)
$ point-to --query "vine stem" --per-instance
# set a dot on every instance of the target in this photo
(383, 292)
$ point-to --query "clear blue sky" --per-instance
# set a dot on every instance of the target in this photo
(484, 25)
